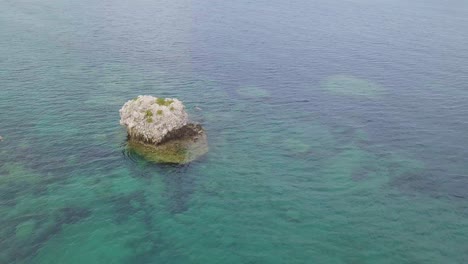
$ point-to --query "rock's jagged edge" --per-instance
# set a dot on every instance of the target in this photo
(189, 131)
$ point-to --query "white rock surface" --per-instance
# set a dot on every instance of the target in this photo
(149, 119)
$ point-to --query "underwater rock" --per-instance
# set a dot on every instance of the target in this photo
(159, 130)
(72, 215)
(293, 216)
(296, 146)
(25, 230)
(1, 138)
(253, 92)
(348, 85)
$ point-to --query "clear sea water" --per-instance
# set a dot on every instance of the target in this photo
(337, 131)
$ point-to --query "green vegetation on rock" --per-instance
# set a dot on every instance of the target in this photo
(164, 102)
(148, 113)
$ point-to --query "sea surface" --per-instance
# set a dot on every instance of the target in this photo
(338, 131)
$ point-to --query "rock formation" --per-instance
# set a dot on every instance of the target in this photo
(150, 119)
(159, 130)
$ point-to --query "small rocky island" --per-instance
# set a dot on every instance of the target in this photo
(159, 130)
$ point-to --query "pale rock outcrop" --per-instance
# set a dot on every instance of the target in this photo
(159, 130)
(150, 119)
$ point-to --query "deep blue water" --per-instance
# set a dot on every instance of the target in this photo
(337, 131)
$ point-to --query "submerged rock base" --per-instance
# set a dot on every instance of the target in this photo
(180, 146)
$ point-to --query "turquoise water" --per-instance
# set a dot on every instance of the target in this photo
(337, 131)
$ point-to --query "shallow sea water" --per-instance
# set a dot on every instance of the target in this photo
(337, 131)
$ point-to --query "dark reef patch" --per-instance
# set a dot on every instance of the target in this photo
(433, 183)
(126, 205)
(73, 215)
(180, 185)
